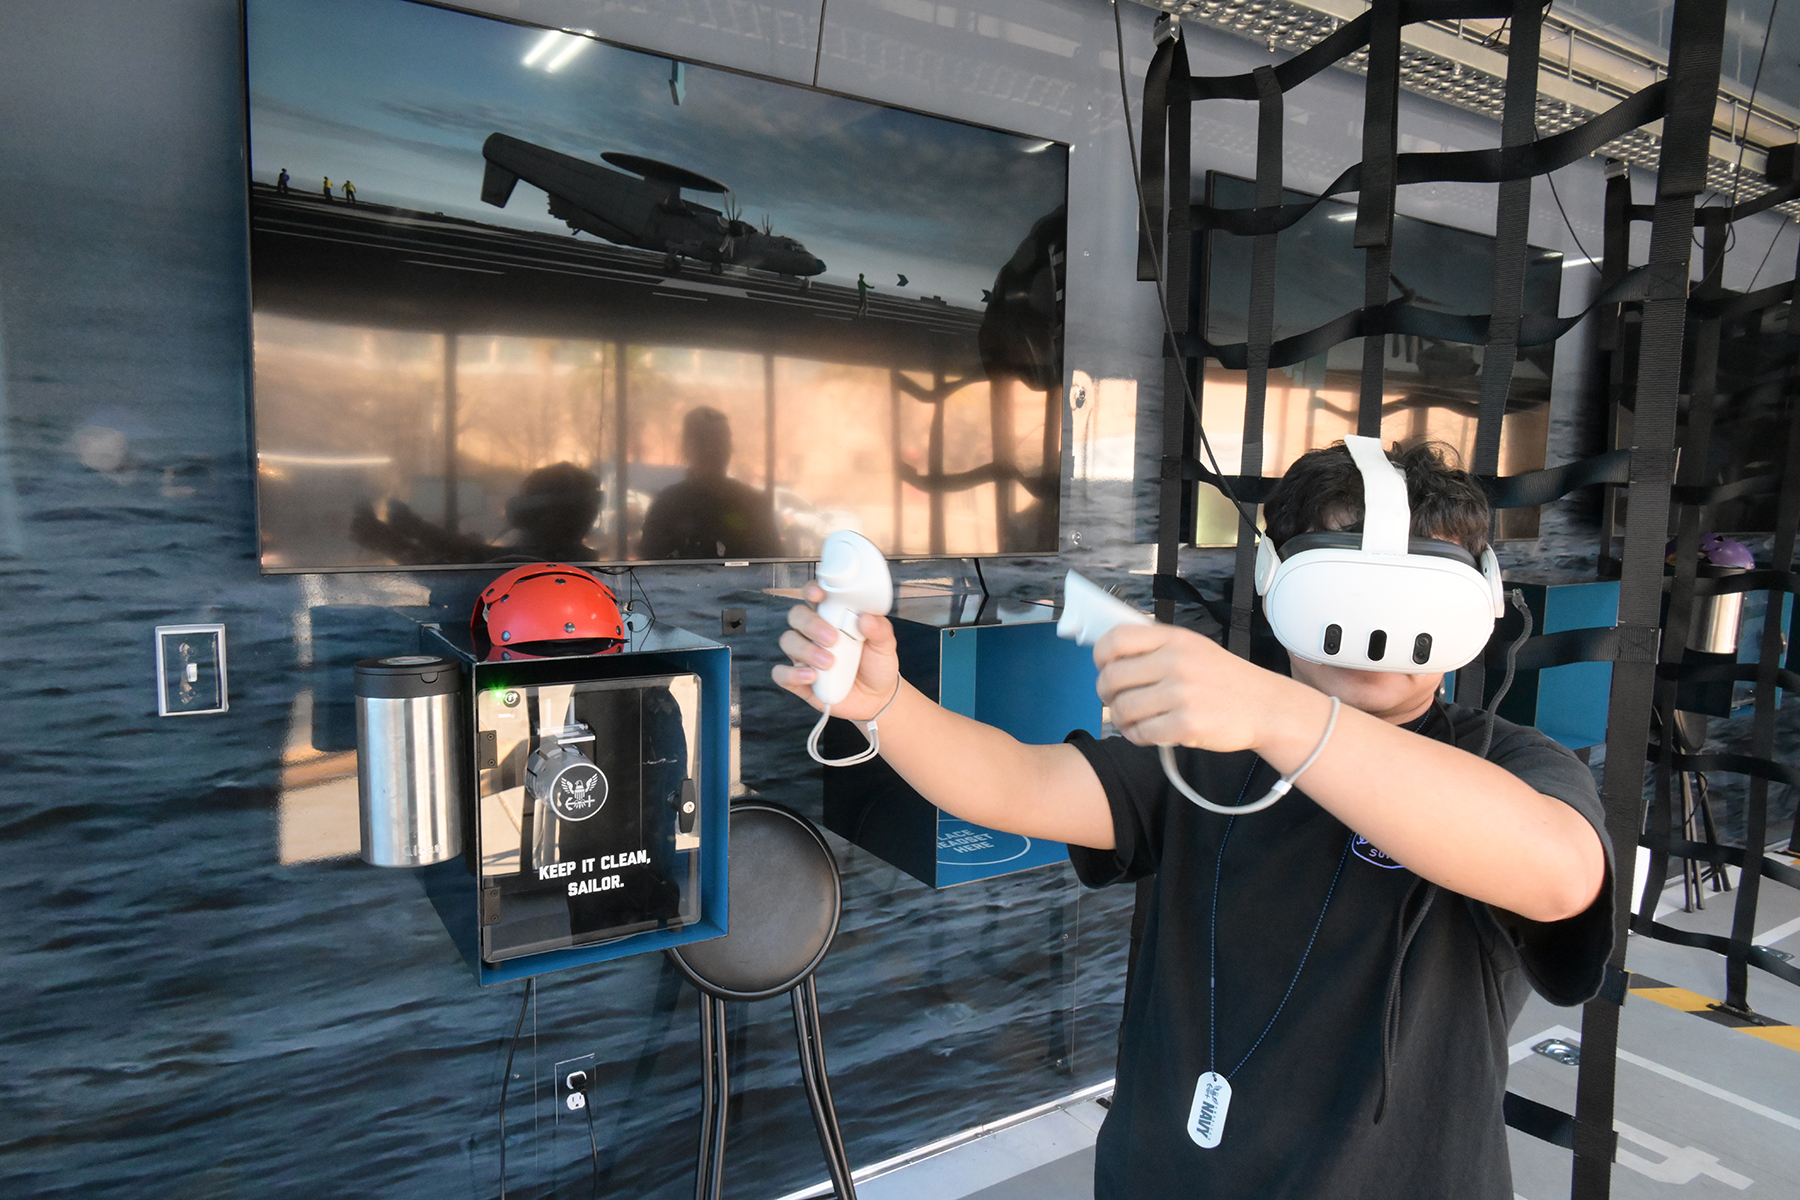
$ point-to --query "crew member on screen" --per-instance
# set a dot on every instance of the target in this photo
(281, 182)
(549, 519)
(709, 514)
(349, 192)
(327, 188)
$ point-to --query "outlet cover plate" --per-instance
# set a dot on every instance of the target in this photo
(564, 1069)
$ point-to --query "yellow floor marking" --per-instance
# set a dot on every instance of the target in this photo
(1674, 997)
(1781, 1035)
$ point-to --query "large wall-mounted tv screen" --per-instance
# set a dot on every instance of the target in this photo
(524, 294)
(1433, 388)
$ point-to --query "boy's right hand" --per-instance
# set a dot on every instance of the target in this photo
(808, 643)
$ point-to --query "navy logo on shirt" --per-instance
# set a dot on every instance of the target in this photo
(1370, 853)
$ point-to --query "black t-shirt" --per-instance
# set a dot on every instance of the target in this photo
(1312, 1114)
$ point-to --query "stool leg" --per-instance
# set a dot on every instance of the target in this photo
(703, 1158)
(715, 1096)
(807, 1032)
(721, 1099)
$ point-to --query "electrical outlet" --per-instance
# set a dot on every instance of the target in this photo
(574, 1080)
(190, 670)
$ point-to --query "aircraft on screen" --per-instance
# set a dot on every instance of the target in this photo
(642, 208)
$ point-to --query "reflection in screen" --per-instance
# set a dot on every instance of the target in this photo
(1433, 388)
(381, 447)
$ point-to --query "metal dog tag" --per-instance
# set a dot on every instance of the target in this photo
(1206, 1119)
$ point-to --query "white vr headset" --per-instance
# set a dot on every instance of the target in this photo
(1379, 600)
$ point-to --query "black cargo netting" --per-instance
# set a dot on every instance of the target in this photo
(1652, 332)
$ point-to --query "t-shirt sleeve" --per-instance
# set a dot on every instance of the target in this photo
(1564, 960)
(1133, 781)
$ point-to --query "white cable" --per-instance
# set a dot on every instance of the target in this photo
(874, 735)
(1281, 786)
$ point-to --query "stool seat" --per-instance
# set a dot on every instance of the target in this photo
(785, 901)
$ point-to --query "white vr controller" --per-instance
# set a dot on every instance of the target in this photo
(854, 575)
(1089, 614)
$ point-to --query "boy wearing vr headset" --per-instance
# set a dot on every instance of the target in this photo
(1320, 1003)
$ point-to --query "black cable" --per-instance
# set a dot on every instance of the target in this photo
(639, 587)
(1512, 663)
(1785, 226)
(1550, 178)
(1162, 299)
(506, 1076)
(593, 1142)
(1737, 169)
(980, 578)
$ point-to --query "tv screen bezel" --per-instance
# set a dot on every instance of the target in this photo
(253, 448)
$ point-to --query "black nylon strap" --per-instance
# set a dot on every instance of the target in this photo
(1692, 469)
(1696, 39)
(1153, 146)
(1179, 374)
(1752, 765)
(1510, 491)
(1541, 487)
(1725, 947)
(1347, 40)
(1539, 1120)
(1713, 852)
(1375, 197)
(1251, 489)
(1762, 734)
(1757, 485)
(1731, 672)
(1606, 643)
(1512, 223)
(1762, 203)
(1760, 580)
(1458, 166)
(1399, 317)
(1261, 333)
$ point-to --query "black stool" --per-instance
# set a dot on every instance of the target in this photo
(785, 899)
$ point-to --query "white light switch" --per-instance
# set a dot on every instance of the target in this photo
(190, 670)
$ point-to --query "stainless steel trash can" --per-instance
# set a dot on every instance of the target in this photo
(409, 759)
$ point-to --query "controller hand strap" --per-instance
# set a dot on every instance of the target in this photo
(1280, 788)
(863, 756)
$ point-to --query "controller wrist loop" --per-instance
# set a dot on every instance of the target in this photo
(874, 735)
(1280, 788)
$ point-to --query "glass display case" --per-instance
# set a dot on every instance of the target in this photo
(598, 794)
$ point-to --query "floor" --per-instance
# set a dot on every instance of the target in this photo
(1703, 1109)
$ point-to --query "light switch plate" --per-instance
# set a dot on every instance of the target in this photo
(190, 670)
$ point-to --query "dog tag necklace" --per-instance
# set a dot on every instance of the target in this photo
(1212, 1092)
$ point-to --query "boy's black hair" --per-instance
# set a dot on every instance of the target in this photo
(1323, 490)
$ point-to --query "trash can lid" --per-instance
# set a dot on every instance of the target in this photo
(405, 676)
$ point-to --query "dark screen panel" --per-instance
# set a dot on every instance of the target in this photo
(523, 294)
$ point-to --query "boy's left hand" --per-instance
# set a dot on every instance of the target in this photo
(1167, 685)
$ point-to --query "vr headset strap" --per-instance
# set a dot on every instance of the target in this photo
(1387, 517)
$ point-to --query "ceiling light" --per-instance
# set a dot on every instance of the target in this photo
(541, 47)
(576, 46)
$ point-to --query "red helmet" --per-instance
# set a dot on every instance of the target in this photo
(545, 609)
